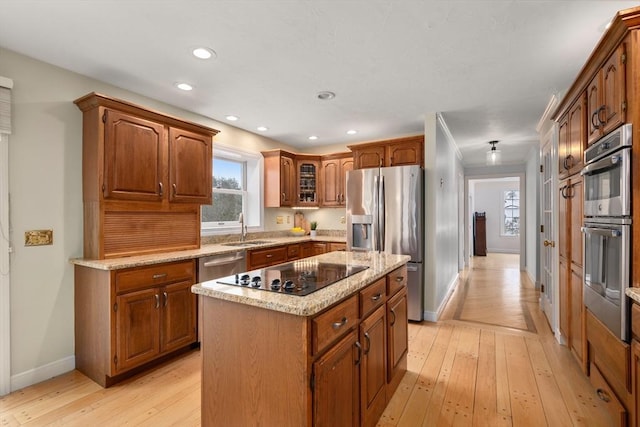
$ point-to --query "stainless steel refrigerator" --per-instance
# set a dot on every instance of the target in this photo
(385, 214)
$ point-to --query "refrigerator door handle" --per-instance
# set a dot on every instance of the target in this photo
(376, 216)
(381, 213)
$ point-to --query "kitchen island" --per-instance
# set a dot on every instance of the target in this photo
(333, 357)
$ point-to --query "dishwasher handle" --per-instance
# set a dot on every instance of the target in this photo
(223, 262)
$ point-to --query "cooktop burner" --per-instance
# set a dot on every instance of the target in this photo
(294, 278)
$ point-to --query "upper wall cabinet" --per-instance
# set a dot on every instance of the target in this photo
(143, 155)
(307, 181)
(395, 152)
(606, 96)
(145, 175)
(333, 179)
(279, 178)
(571, 139)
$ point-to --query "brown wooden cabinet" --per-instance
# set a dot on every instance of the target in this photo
(336, 246)
(307, 181)
(373, 371)
(259, 258)
(145, 175)
(279, 178)
(395, 152)
(397, 337)
(606, 96)
(333, 182)
(572, 139)
(571, 306)
(127, 318)
(635, 379)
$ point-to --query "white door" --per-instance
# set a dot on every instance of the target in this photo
(547, 243)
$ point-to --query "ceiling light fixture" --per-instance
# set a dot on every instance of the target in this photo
(352, 132)
(493, 155)
(313, 137)
(184, 86)
(203, 53)
(326, 95)
(262, 128)
(231, 118)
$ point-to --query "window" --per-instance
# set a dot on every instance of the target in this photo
(511, 217)
(235, 190)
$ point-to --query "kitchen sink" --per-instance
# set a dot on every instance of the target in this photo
(249, 243)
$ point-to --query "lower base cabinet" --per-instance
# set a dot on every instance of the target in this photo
(127, 318)
(373, 367)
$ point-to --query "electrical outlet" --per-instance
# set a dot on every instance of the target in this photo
(342, 221)
(279, 220)
(38, 237)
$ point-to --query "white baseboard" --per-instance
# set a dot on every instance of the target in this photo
(42, 373)
(433, 316)
(503, 251)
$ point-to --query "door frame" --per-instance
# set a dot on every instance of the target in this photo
(551, 308)
(5, 276)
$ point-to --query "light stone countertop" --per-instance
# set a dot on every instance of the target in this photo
(205, 250)
(634, 294)
(380, 264)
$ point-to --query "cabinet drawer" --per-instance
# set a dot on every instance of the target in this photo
(635, 321)
(334, 323)
(335, 246)
(293, 252)
(372, 297)
(606, 395)
(270, 256)
(144, 277)
(396, 280)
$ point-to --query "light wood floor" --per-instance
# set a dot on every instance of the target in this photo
(490, 361)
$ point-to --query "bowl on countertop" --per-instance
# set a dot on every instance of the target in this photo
(298, 233)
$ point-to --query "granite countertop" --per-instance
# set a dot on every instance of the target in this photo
(205, 250)
(379, 265)
(634, 294)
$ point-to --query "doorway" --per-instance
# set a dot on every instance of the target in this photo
(502, 201)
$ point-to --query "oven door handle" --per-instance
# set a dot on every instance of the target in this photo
(601, 231)
(601, 164)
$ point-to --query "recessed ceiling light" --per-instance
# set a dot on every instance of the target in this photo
(262, 128)
(203, 53)
(231, 118)
(326, 95)
(184, 86)
(352, 132)
(313, 137)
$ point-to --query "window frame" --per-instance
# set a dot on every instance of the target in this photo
(503, 214)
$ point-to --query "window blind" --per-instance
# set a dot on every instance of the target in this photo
(5, 110)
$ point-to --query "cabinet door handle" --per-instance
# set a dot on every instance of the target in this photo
(593, 118)
(283, 196)
(161, 189)
(175, 190)
(602, 109)
(269, 256)
(368, 342)
(400, 279)
(359, 347)
(376, 297)
(338, 325)
(603, 395)
(159, 276)
(157, 300)
(393, 322)
(166, 298)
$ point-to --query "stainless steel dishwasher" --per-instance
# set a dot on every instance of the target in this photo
(216, 266)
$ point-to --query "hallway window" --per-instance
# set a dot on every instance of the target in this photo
(511, 213)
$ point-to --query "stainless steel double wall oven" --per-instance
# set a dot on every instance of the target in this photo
(607, 229)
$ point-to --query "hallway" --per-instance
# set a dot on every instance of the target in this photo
(491, 360)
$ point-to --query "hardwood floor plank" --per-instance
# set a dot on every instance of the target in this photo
(503, 398)
(526, 403)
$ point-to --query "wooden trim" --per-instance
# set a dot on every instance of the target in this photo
(413, 138)
(94, 100)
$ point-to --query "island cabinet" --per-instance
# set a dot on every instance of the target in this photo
(394, 152)
(125, 319)
(279, 178)
(330, 368)
(145, 175)
(334, 170)
(606, 96)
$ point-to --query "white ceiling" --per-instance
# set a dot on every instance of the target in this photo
(490, 67)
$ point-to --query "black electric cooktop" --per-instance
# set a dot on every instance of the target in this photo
(294, 278)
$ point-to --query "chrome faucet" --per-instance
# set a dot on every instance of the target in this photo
(243, 228)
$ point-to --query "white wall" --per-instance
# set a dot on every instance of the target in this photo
(45, 186)
(442, 170)
(488, 197)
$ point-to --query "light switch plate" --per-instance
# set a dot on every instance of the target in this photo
(38, 237)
